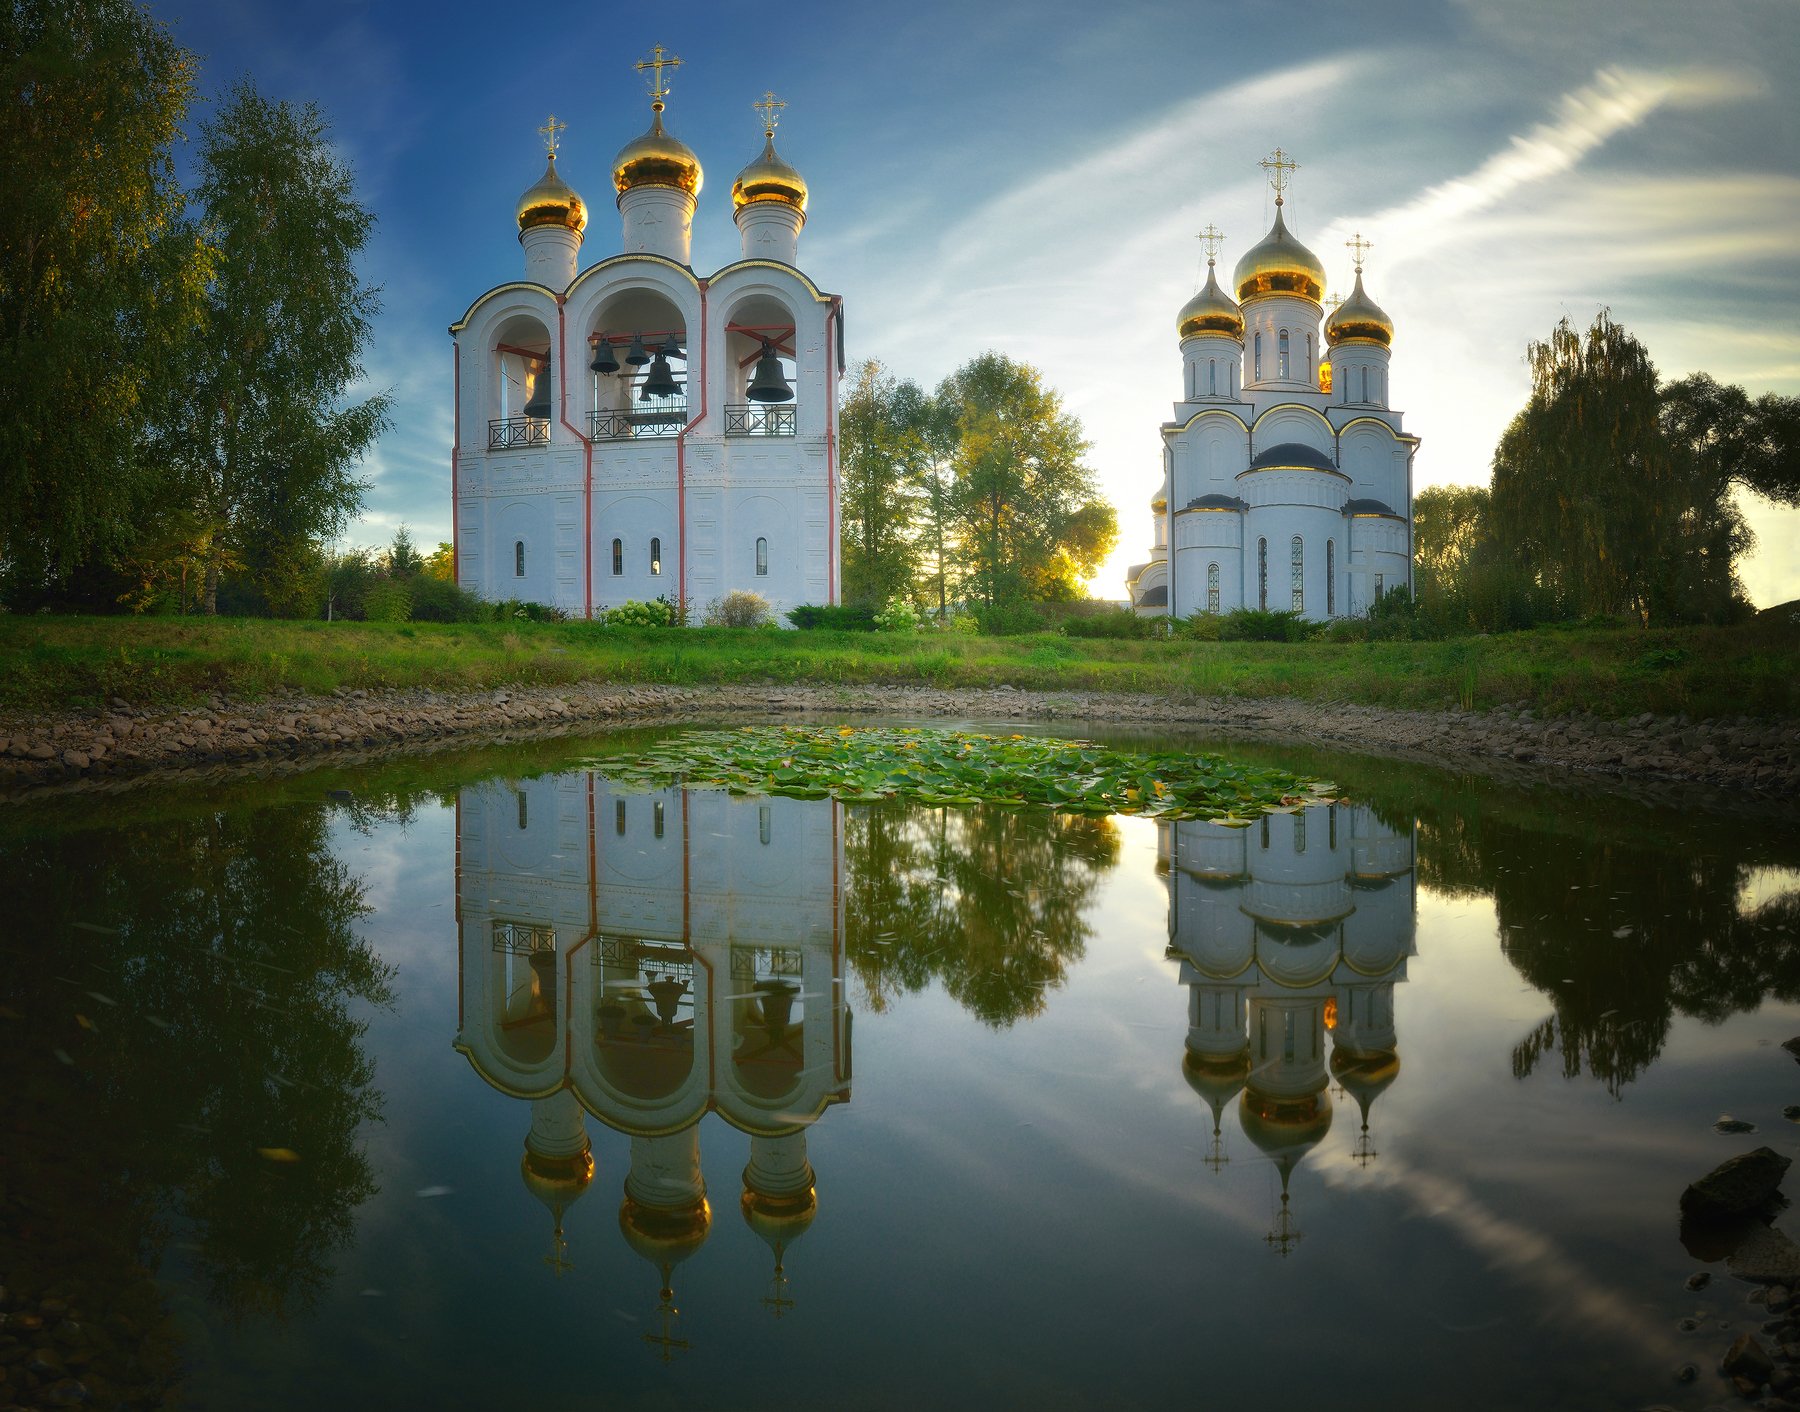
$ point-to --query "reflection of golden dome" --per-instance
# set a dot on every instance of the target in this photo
(1216, 1077)
(1278, 1126)
(1359, 319)
(768, 178)
(657, 159)
(1365, 1075)
(1279, 264)
(1212, 310)
(665, 1237)
(779, 1220)
(557, 1181)
(552, 202)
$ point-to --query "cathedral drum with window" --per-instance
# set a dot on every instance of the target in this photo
(634, 430)
(1287, 478)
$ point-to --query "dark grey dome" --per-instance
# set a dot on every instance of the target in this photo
(1292, 454)
(1157, 597)
(1369, 507)
(1216, 502)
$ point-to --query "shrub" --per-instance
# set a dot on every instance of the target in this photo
(633, 614)
(898, 616)
(388, 601)
(436, 600)
(1010, 619)
(348, 578)
(835, 617)
(738, 609)
(1262, 625)
(1113, 623)
(960, 625)
(1202, 627)
(524, 611)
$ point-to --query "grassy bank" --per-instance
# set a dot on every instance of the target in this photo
(52, 663)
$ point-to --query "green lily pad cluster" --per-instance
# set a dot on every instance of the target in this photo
(948, 767)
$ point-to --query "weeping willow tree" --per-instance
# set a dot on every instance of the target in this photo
(1600, 506)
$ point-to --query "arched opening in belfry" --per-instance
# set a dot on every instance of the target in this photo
(637, 367)
(761, 366)
(521, 398)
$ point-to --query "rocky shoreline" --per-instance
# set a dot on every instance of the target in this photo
(125, 744)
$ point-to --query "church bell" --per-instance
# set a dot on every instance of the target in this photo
(539, 406)
(605, 360)
(769, 384)
(660, 382)
(636, 354)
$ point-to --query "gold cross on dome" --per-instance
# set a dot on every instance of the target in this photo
(659, 60)
(1333, 301)
(1210, 240)
(770, 107)
(1280, 168)
(552, 132)
(1359, 247)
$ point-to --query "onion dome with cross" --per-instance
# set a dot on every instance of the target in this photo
(552, 201)
(1278, 263)
(1212, 310)
(657, 158)
(768, 178)
(1359, 317)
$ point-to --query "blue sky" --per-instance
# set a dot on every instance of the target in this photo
(1029, 177)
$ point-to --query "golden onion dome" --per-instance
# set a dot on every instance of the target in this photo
(665, 1237)
(1279, 264)
(769, 178)
(557, 1181)
(1359, 319)
(1284, 1127)
(779, 1219)
(552, 202)
(1212, 310)
(657, 159)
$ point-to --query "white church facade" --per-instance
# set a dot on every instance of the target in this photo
(633, 429)
(1287, 476)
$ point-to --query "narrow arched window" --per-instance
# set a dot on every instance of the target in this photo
(1212, 377)
(656, 556)
(1262, 574)
(762, 823)
(1299, 575)
(1380, 392)
(656, 818)
(619, 817)
(518, 558)
(618, 557)
(1265, 830)
(1300, 832)
(1283, 344)
(1309, 350)
(762, 558)
(1380, 580)
(1365, 384)
(1212, 588)
(523, 808)
(1256, 371)
(1330, 577)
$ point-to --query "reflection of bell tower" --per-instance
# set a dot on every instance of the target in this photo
(779, 1203)
(558, 1164)
(665, 1215)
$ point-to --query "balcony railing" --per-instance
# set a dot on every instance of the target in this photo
(663, 419)
(759, 420)
(505, 433)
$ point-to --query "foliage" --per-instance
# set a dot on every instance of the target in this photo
(897, 615)
(633, 614)
(436, 600)
(944, 767)
(1263, 625)
(1593, 498)
(880, 421)
(839, 617)
(388, 600)
(738, 609)
(441, 562)
(1734, 440)
(261, 440)
(403, 557)
(1113, 623)
(1027, 521)
(99, 281)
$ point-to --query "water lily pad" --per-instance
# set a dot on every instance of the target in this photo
(956, 768)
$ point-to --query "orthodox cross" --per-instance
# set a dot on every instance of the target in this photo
(1210, 240)
(558, 1260)
(1334, 301)
(770, 107)
(659, 60)
(1359, 247)
(666, 1342)
(1280, 168)
(552, 132)
(1284, 1237)
(776, 1300)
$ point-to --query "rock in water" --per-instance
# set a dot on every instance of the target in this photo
(1793, 1047)
(1766, 1255)
(1729, 1124)
(1736, 1187)
(1747, 1359)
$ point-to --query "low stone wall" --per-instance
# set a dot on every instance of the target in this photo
(124, 743)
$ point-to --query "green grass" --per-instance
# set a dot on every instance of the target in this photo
(52, 662)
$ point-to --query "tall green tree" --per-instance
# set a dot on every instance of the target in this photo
(1029, 521)
(881, 420)
(263, 434)
(1736, 440)
(1592, 496)
(99, 272)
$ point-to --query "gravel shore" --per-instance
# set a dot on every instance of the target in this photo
(123, 744)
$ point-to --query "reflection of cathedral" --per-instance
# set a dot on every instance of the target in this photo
(1287, 930)
(649, 959)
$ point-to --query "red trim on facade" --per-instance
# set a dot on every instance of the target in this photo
(587, 473)
(831, 584)
(455, 469)
(681, 459)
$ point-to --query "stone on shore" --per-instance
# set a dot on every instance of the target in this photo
(1739, 1186)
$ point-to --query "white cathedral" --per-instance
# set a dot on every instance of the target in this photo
(1287, 477)
(634, 430)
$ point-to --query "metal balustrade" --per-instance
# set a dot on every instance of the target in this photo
(758, 419)
(506, 433)
(662, 419)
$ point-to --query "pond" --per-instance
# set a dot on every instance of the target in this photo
(480, 1080)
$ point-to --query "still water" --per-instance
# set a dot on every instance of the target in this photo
(477, 1084)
